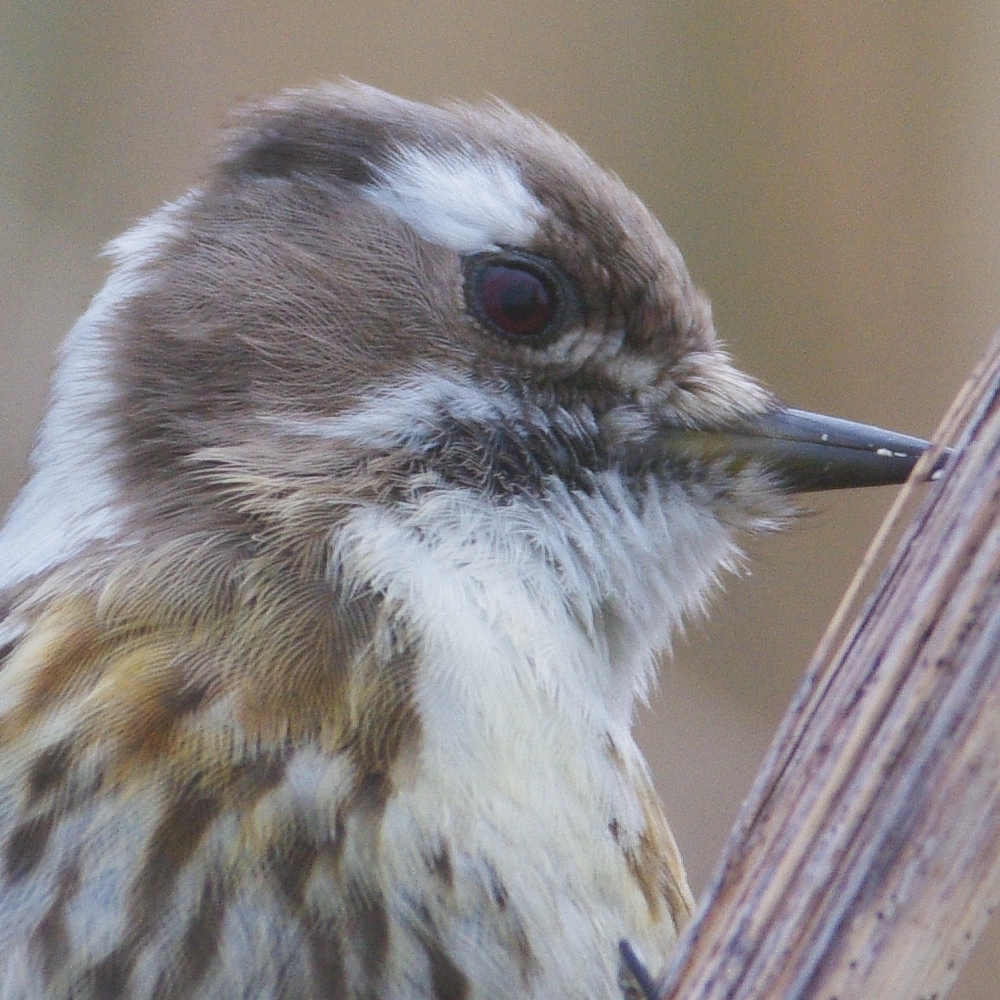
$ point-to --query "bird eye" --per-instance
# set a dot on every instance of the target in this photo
(517, 296)
(515, 300)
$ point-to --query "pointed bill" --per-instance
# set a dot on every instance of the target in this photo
(811, 451)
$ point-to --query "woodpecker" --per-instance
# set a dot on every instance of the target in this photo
(373, 486)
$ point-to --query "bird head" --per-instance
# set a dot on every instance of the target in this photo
(373, 303)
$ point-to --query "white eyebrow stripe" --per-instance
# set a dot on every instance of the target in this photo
(461, 199)
(408, 414)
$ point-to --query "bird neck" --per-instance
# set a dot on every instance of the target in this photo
(566, 597)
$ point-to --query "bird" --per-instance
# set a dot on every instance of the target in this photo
(373, 487)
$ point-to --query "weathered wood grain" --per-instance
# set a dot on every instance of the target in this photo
(866, 860)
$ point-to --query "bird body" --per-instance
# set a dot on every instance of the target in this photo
(349, 547)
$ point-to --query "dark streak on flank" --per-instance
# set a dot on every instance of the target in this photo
(51, 936)
(525, 955)
(326, 959)
(447, 980)
(371, 793)
(185, 824)
(109, 978)
(26, 845)
(334, 849)
(649, 869)
(388, 722)
(6, 649)
(49, 769)
(291, 862)
(369, 927)
(171, 847)
(199, 947)
(497, 888)
(324, 934)
(185, 699)
(441, 866)
(366, 925)
(514, 932)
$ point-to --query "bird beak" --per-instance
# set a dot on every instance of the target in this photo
(809, 451)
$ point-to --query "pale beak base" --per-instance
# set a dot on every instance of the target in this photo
(809, 451)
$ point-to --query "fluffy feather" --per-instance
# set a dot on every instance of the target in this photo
(326, 608)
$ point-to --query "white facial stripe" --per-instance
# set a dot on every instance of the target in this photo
(464, 200)
(406, 415)
(72, 497)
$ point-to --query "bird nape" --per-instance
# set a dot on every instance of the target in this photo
(374, 484)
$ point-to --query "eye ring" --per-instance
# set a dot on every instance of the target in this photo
(522, 297)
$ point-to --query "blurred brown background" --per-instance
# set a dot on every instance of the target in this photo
(829, 169)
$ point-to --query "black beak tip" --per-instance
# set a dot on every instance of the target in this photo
(811, 452)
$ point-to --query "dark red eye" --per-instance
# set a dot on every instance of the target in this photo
(520, 295)
(516, 300)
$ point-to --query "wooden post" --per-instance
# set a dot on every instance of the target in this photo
(866, 860)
